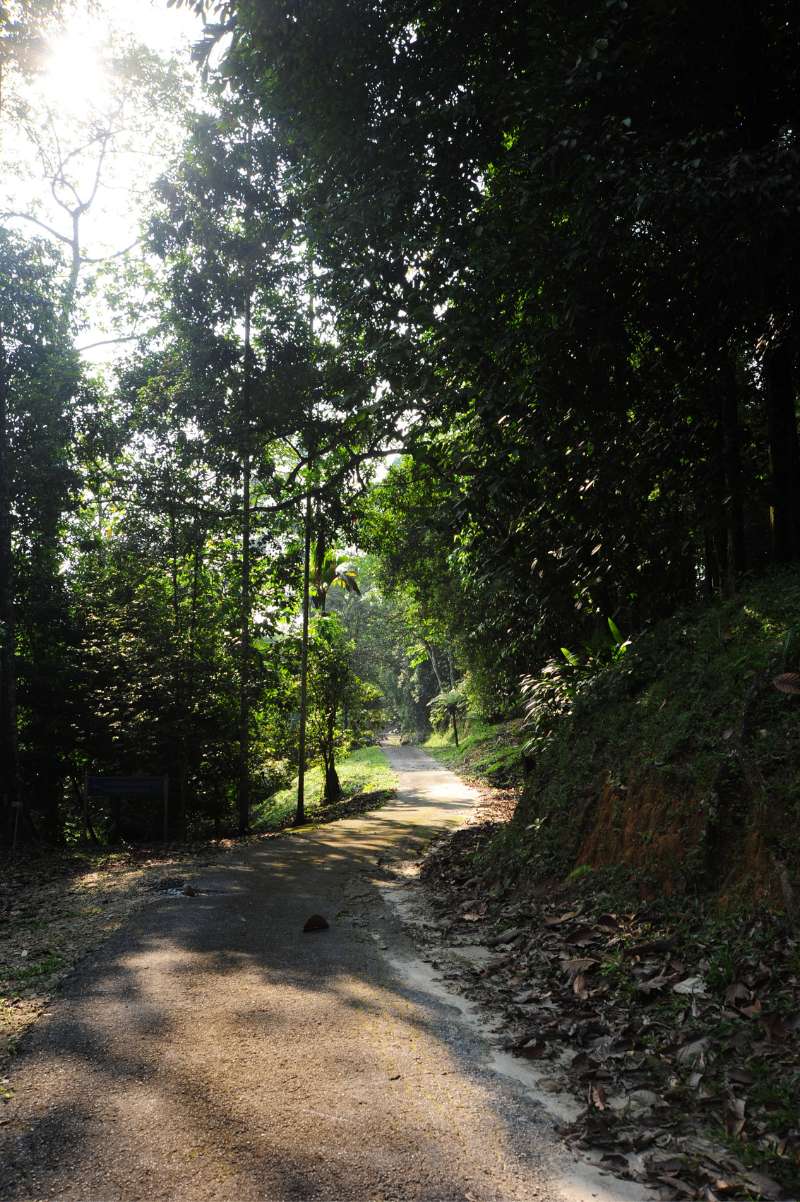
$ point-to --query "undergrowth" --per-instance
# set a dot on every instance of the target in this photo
(364, 771)
(486, 752)
(678, 760)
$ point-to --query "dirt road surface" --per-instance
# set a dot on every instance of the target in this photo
(211, 1050)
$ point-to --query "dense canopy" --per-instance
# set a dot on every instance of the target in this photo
(505, 299)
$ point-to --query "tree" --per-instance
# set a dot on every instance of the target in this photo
(447, 708)
(544, 237)
(330, 681)
(38, 375)
(65, 151)
(331, 571)
(225, 232)
(275, 402)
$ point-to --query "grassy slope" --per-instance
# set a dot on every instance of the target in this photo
(681, 761)
(365, 771)
(679, 765)
(486, 752)
(667, 804)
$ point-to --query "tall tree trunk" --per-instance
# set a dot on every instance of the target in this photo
(300, 812)
(191, 741)
(244, 613)
(732, 459)
(784, 452)
(9, 752)
(726, 528)
(709, 562)
(178, 755)
(173, 566)
(432, 657)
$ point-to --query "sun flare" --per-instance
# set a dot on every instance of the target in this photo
(75, 76)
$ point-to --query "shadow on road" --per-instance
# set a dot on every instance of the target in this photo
(215, 1051)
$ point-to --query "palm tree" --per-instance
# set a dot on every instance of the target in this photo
(329, 571)
(446, 708)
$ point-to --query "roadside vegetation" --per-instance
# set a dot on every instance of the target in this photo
(367, 783)
(488, 752)
(641, 899)
(453, 390)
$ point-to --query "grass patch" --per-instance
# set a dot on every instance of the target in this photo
(30, 972)
(364, 771)
(487, 752)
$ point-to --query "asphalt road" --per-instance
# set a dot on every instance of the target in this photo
(211, 1050)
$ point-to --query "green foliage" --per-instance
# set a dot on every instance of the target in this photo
(39, 390)
(540, 266)
(395, 650)
(579, 873)
(539, 244)
(686, 725)
(447, 709)
(363, 771)
(549, 695)
(487, 752)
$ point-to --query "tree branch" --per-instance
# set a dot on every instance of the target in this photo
(335, 479)
(290, 502)
(27, 217)
(111, 341)
(117, 254)
(100, 160)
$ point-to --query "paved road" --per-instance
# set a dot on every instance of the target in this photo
(213, 1051)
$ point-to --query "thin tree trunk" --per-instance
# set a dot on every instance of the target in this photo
(784, 453)
(717, 536)
(429, 648)
(9, 753)
(709, 562)
(173, 568)
(244, 635)
(732, 458)
(300, 813)
(178, 758)
(71, 289)
(191, 752)
(317, 565)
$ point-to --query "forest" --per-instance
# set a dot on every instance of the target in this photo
(497, 316)
(424, 374)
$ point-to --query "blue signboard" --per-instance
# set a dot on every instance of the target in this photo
(129, 787)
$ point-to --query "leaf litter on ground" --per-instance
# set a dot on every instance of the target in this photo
(56, 906)
(682, 1053)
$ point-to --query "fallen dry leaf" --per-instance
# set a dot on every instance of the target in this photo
(787, 682)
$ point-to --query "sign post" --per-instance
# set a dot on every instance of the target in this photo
(131, 788)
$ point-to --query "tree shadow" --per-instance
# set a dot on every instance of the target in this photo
(215, 1051)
